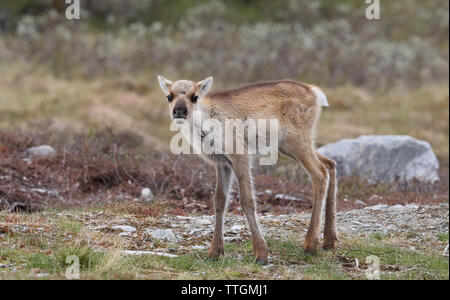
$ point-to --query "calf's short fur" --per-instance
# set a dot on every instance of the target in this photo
(297, 107)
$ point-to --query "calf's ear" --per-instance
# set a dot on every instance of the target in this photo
(164, 84)
(204, 86)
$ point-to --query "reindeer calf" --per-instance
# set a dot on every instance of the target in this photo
(297, 107)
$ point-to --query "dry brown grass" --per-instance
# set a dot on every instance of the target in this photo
(135, 104)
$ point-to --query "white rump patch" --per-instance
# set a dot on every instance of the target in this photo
(320, 96)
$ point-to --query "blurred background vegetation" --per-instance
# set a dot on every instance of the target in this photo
(387, 76)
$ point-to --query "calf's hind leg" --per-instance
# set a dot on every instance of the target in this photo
(330, 233)
(305, 154)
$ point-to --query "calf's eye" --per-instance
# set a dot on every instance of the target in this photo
(194, 98)
(170, 97)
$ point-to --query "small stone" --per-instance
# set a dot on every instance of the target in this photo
(203, 221)
(183, 218)
(269, 266)
(101, 228)
(42, 152)
(124, 228)
(236, 228)
(146, 194)
(163, 234)
(199, 247)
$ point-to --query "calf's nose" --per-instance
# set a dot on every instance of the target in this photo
(180, 113)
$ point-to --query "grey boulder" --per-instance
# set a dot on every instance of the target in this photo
(387, 159)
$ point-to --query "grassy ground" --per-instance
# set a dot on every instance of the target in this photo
(37, 246)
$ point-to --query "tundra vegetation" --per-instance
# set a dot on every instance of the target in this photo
(88, 88)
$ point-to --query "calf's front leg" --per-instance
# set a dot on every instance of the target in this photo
(223, 184)
(241, 167)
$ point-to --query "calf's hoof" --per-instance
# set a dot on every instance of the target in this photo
(261, 252)
(215, 253)
(311, 247)
(330, 243)
(262, 259)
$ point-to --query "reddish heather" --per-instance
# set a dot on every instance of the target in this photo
(106, 168)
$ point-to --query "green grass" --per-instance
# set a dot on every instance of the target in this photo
(411, 264)
(289, 259)
(70, 227)
(325, 270)
(41, 261)
(443, 237)
(89, 258)
(379, 236)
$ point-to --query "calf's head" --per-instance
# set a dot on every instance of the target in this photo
(183, 96)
